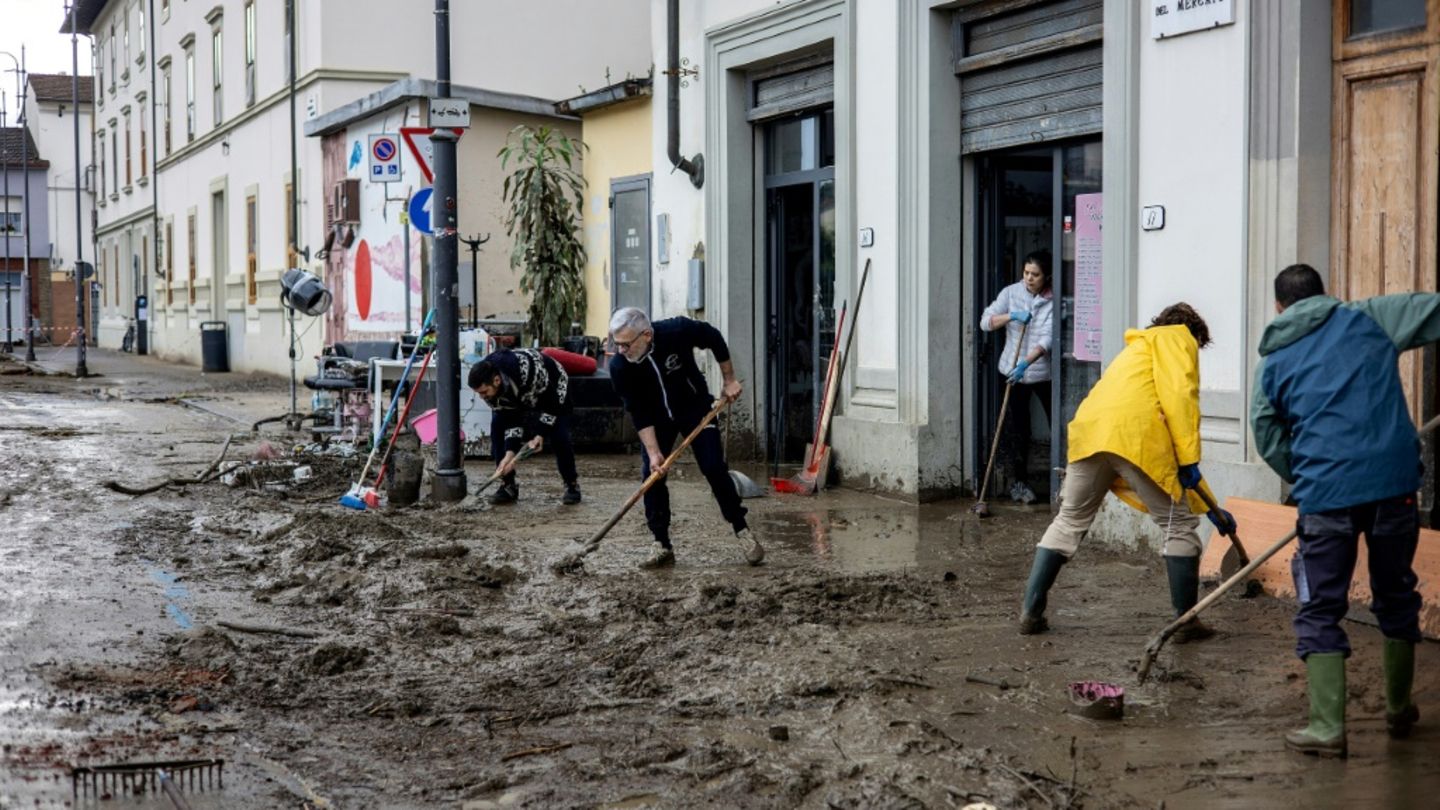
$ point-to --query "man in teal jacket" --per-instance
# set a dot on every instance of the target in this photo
(1330, 417)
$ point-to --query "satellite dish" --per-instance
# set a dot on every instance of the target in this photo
(303, 292)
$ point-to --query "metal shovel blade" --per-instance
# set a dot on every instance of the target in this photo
(745, 486)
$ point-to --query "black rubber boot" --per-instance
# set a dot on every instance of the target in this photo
(1042, 576)
(1184, 575)
(572, 495)
(507, 493)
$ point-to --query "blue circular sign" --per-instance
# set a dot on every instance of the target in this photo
(384, 149)
(420, 210)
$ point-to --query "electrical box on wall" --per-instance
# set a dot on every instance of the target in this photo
(696, 298)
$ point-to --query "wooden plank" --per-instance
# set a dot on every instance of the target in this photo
(1026, 50)
(1261, 524)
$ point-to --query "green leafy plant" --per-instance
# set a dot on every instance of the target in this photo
(545, 195)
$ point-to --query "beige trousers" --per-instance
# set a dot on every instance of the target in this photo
(1087, 481)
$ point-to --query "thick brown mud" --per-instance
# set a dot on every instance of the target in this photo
(429, 657)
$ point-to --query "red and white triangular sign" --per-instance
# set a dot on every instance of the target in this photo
(418, 141)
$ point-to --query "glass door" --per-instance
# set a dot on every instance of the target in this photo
(800, 277)
(1045, 201)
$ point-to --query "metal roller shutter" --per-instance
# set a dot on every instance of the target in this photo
(792, 87)
(1030, 70)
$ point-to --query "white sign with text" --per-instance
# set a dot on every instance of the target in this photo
(1171, 18)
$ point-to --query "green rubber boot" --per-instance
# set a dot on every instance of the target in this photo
(1184, 576)
(1325, 736)
(1042, 575)
(1401, 713)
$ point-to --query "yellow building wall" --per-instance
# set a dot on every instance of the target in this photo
(619, 146)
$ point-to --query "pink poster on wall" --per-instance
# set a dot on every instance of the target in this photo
(1089, 213)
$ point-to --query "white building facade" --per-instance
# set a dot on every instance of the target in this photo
(219, 146)
(1160, 151)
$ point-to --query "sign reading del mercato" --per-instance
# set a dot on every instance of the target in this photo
(1170, 18)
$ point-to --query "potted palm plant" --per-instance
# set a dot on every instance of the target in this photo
(545, 194)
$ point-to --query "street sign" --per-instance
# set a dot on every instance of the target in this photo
(420, 209)
(448, 112)
(417, 139)
(384, 158)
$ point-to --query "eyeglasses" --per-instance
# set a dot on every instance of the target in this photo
(622, 345)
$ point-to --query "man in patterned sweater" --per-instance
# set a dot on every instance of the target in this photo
(529, 395)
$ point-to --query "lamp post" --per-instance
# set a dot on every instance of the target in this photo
(449, 481)
(5, 168)
(19, 71)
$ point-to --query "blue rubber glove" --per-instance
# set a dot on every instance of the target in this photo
(1017, 374)
(1020, 316)
(1190, 476)
(1224, 521)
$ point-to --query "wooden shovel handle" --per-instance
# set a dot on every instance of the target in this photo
(1234, 540)
(1000, 420)
(655, 475)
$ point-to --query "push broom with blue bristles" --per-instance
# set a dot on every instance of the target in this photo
(355, 498)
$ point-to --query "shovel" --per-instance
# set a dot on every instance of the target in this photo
(525, 452)
(745, 487)
(982, 509)
(1152, 649)
(572, 562)
(1235, 556)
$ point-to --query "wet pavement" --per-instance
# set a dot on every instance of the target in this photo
(434, 660)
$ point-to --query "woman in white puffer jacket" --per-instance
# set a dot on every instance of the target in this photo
(1028, 303)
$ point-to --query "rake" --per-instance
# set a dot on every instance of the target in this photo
(138, 778)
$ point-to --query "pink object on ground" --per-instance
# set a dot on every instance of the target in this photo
(1098, 700)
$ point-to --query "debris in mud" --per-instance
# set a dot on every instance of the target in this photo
(335, 659)
(203, 646)
(445, 551)
(779, 733)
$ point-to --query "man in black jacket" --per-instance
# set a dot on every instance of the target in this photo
(528, 393)
(655, 373)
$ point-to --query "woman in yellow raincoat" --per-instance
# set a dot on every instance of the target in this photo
(1137, 434)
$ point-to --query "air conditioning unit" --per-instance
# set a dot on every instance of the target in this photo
(345, 202)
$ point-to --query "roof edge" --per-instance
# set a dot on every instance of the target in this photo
(405, 90)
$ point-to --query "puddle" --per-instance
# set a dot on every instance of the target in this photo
(175, 593)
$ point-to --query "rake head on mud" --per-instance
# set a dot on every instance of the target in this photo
(138, 778)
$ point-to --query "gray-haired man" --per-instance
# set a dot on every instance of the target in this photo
(666, 396)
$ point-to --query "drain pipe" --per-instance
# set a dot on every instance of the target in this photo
(695, 167)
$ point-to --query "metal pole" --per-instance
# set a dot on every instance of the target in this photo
(24, 206)
(293, 422)
(5, 167)
(154, 151)
(449, 481)
(405, 227)
(80, 369)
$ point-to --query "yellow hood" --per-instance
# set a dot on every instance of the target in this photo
(1146, 409)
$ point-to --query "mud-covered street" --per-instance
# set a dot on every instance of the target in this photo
(430, 657)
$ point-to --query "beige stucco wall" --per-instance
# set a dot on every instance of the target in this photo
(619, 141)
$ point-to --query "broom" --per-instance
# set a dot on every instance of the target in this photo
(354, 499)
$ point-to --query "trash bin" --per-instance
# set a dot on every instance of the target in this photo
(214, 346)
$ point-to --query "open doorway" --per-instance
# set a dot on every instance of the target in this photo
(800, 276)
(1034, 200)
